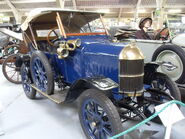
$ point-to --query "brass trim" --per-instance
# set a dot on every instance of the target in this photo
(62, 51)
(137, 75)
(72, 44)
(76, 42)
(66, 46)
(131, 52)
(44, 94)
(132, 94)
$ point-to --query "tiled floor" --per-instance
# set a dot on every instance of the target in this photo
(23, 118)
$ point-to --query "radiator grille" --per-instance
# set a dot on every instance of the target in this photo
(131, 76)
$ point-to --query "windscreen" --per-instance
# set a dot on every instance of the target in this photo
(93, 26)
(74, 23)
(82, 23)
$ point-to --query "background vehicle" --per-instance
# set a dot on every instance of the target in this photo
(12, 63)
(109, 79)
(11, 53)
(10, 40)
(168, 50)
(4, 39)
(11, 68)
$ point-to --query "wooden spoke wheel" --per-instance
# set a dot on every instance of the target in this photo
(11, 68)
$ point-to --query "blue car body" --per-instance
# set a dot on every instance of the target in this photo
(97, 56)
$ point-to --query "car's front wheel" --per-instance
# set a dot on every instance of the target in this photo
(99, 118)
(41, 72)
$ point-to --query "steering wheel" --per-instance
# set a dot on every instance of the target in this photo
(56, 37)
(163, 34)
(51, 42)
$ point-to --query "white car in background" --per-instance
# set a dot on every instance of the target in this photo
(168, 49)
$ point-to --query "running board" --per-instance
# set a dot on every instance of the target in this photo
(57, 97)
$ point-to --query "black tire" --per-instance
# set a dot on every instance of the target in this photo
(179, 51)
(26, 82)
(105, 103)
(48, 71)
(175, 92)
(10, 62)
(172, 86)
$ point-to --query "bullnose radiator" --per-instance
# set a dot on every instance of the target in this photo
(131, 70)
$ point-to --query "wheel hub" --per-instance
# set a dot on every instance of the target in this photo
(169, 66)
(172, 64)
(97, 122)
(94, 124)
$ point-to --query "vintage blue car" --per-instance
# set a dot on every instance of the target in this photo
(68, 61)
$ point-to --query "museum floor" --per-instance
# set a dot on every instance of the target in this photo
(23, 118)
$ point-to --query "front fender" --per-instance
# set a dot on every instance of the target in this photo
(149, 70)
(99, 83)
(151, 66)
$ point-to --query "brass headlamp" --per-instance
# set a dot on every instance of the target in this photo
(62, 50)
(66, 46)
(72, 44)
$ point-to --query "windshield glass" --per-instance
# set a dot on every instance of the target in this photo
(70, 24)
(176, 24)
(93, 26)
(80, 23)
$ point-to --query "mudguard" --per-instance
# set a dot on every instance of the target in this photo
(152, 66)
(149, 70)
(100, 83)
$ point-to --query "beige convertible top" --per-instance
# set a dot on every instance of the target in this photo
(48, 15)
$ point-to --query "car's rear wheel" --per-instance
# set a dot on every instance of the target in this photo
(98, 116)
(41, 72)
(26, 82)
(173, 58)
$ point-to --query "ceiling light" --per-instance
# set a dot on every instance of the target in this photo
(103, 10)
(141, 11)
(175, 11)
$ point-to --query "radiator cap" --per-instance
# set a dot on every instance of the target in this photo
(131, 52)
